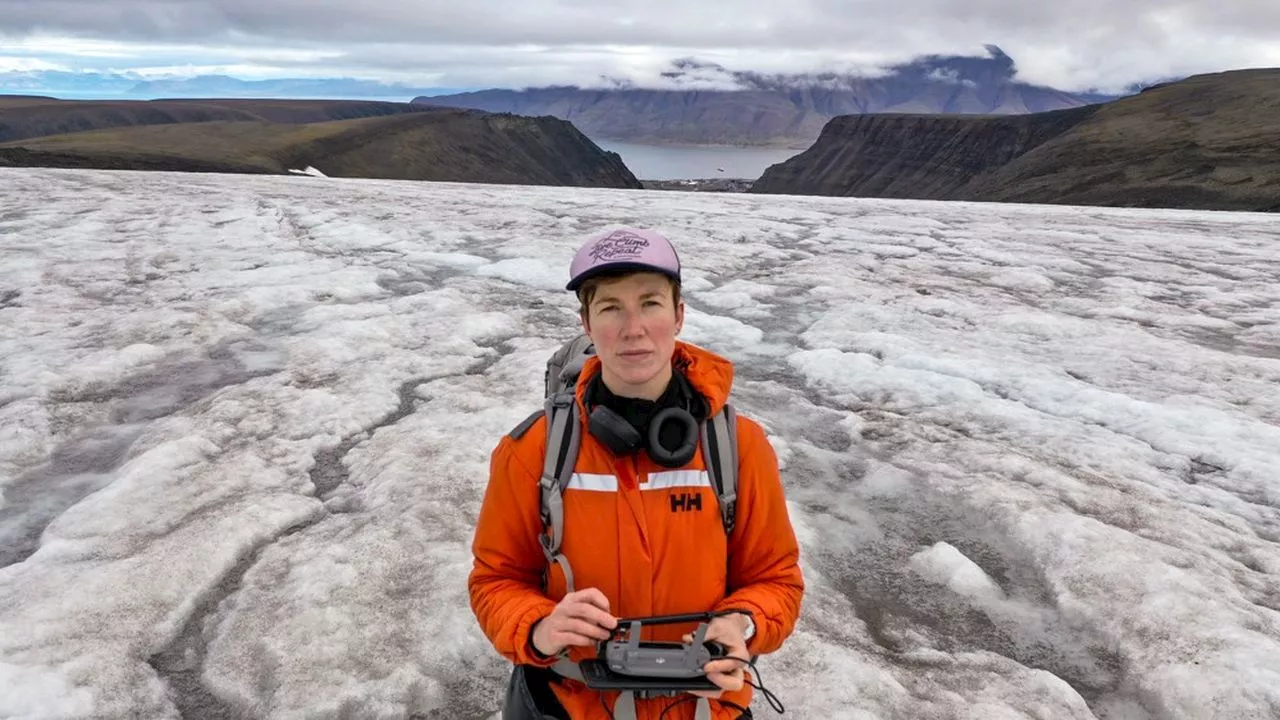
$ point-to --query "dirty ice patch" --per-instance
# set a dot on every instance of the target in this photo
(742, 298)
(531, 272)
(102, 368)
(37, 691)
(1261, 335)
(945, 565)
(460, 261)
(1143, 577)
(1024, 280)
(888, 252)
(855, 378)
(720, 333)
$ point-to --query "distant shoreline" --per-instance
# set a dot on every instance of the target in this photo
(671, 162)
(787, 144)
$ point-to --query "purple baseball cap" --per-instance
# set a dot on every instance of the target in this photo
(623, 249)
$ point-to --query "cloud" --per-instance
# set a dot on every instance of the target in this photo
(9, 63)
(1076, 45)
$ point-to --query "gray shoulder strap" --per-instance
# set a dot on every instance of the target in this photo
(720, 453)
(563, 438)
(518, 431)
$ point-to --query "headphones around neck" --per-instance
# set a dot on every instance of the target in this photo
(622, 438)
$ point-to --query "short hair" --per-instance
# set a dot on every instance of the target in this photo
(587, 292)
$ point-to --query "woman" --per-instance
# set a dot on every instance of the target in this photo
(643, 534)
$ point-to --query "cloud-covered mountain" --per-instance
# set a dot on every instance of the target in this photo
(706, 103)
(133, 86)
(59, 83)
(995, 68)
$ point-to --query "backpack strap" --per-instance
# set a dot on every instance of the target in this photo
(565, 364)
(518, 431)
(720, 453)
(563, 439)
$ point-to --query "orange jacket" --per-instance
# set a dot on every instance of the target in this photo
(626, 536)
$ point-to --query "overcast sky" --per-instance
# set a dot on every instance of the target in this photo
(1071, 45)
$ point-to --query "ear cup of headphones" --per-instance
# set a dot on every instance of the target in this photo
(688, 434)
(613, 431)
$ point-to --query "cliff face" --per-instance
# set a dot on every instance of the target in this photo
(1209, 142)
(911, 156)
(440, 145)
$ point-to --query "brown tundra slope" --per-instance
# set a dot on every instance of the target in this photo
(429, 144)
(1208, 142)
(23, 117)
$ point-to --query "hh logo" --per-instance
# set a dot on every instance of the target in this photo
(685, 501)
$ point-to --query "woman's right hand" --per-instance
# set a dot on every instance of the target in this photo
(580, 619)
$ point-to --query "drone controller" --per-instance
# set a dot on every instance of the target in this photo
(631, 664)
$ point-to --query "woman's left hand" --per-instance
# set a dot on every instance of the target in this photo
(728, 673)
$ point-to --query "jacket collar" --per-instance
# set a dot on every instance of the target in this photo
(711, 375)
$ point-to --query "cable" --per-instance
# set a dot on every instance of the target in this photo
(772, 699)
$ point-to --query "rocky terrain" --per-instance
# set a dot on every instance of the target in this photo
(1209, 142)
(426, 144)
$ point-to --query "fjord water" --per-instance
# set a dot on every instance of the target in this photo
(688, 162)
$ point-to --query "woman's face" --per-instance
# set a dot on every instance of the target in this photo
(633, 322)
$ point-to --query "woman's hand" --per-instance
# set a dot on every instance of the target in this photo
(581, 618)
(728, 673)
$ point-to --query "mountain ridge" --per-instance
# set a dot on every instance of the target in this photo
(708, 104)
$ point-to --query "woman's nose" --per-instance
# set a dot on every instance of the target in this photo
(632, 324)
